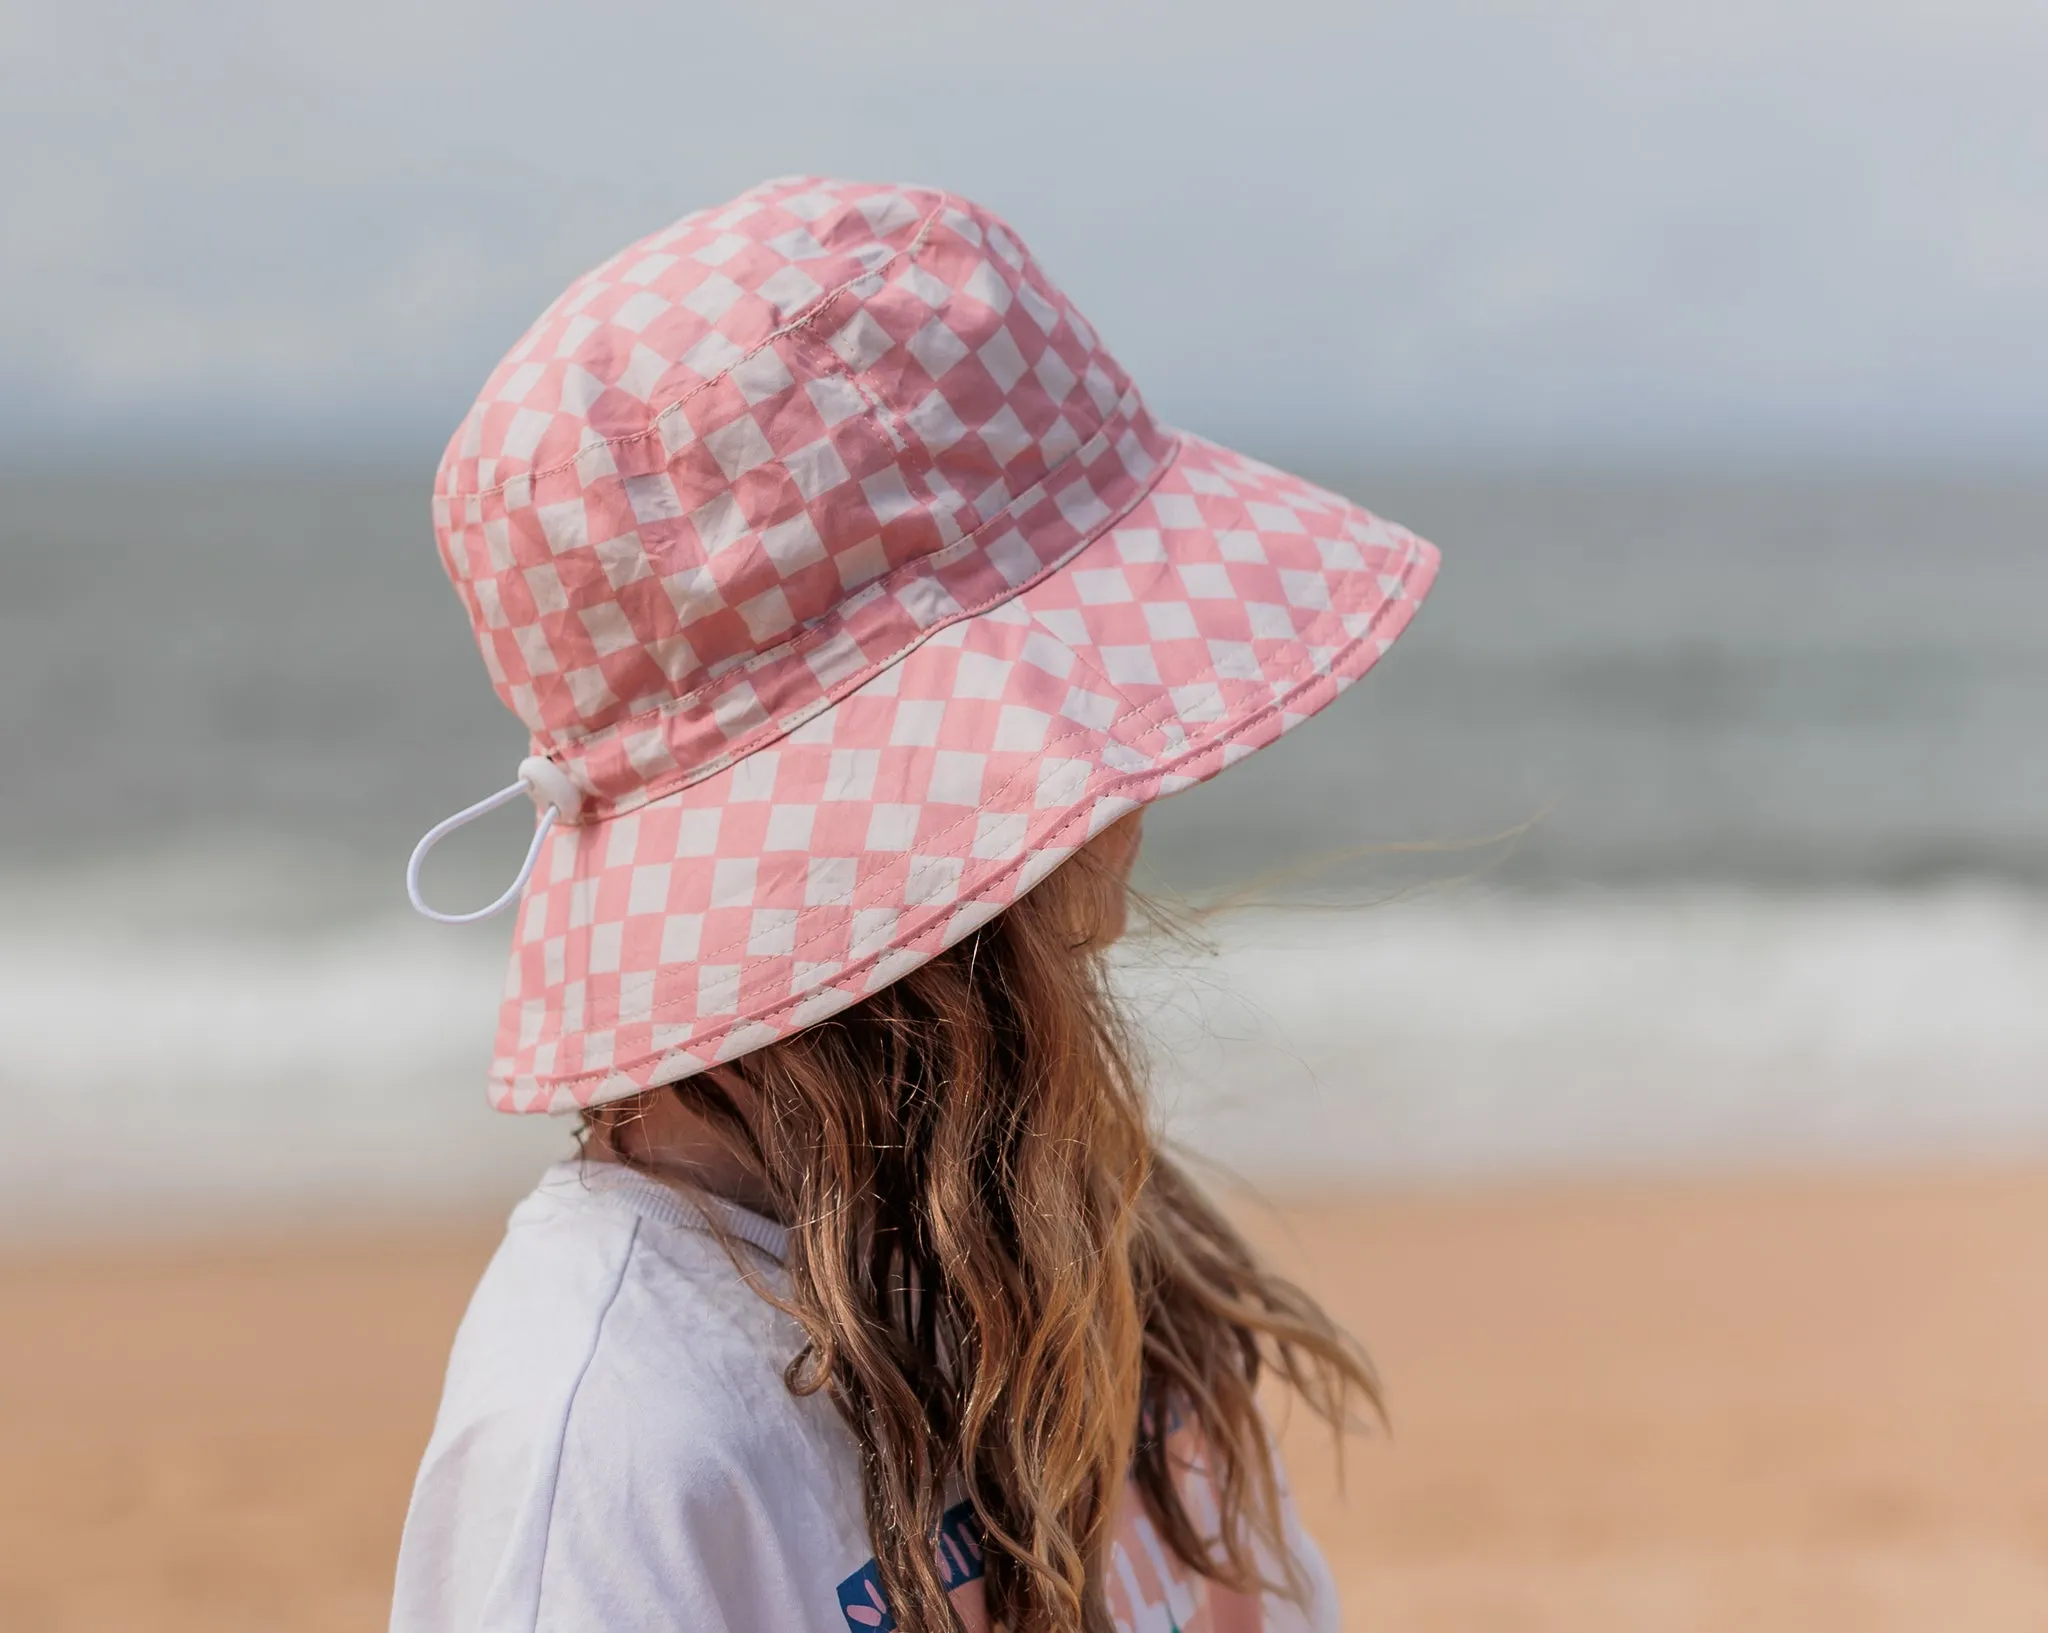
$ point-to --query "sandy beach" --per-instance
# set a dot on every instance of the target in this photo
(1760, 1404)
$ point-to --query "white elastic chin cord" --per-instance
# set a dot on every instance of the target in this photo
(541, 778)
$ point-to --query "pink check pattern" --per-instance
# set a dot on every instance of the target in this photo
(745, 464)
(821, 543)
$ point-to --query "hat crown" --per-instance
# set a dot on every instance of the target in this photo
(758, 455)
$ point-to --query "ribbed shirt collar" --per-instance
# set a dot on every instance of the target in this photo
(648, 1198)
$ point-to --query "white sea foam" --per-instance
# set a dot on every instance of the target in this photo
(169, 1076)
(164, 1076)
(1489, 1035)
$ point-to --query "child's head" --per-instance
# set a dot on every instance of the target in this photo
(1002, 1279)
(854, 600)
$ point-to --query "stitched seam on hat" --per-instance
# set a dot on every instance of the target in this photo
(1418, 555)
(773, 731)
(818, 627)
(812, 632)
(832, 363)
(822, 628)
(809, 315)
(900, 416)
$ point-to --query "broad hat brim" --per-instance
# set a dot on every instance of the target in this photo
(1230, 603)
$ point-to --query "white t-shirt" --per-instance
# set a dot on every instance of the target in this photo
(616, 1452)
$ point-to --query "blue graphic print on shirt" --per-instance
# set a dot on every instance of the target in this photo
(959, 1549)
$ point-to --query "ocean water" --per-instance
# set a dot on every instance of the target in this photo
(1699, 819)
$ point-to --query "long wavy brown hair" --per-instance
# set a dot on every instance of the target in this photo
(1005, 1285)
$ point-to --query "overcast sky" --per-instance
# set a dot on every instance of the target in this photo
(1554, 226)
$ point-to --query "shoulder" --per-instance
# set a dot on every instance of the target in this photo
(587, 1297)
(687, 1369)
(686, 1452)
(616, 1441)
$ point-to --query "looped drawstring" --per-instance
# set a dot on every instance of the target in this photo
(538, 776)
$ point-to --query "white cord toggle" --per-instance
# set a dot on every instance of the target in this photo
(538, 776)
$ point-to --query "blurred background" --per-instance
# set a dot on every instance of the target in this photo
(1696, 836)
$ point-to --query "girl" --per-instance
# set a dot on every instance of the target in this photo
(856, 606)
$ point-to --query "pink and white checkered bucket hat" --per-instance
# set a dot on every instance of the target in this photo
(847, 587)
